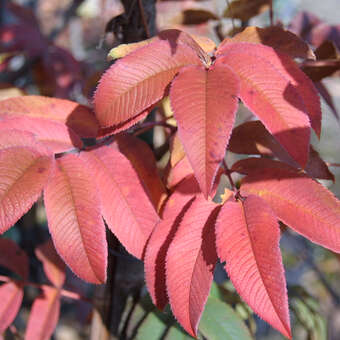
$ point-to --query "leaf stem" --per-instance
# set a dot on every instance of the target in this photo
(228, 173)
(142, 14)
(271, 13)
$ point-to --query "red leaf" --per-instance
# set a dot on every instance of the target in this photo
(316, 167)
(44, 315)
(270, 93)
(77, 117)
(13, 137)
(177, 173)
(275, 37)
(252, 138)
(13, 258)
(190, 263)
(11, 295)
(245, 231)
(254, 164)
(139, 80)
(161, 237)
(300, 202)
(143, 160)
(296, 82)
(174, 37)
(125, 206)
(54, 135)
(205, 113)
(24, 172)
(54, 267)
(73, 214)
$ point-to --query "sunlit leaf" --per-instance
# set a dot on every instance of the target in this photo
(299, 202)
(24, 172)
(244, 233)
(139, 80)
(125, 206)
(205, 113)
(193, 247)
(74, 219)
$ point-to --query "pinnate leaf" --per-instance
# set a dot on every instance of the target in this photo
(74, 219)
(270, 95)
(161, 237)
(299, 202)
(13, 258)
(138, 80)
(44, 315)
(190, 263)
(125, 206)
(11, 295)
(24, 172)
(77, 117)
(54, 267)
(244, 233)
(205, 113)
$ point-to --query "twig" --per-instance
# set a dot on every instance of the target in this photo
(228, 173)
(333, 164)
(271, 13)
(142, 14)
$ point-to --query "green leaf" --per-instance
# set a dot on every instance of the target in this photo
(153, 327)
(176, 333)
(220, 322)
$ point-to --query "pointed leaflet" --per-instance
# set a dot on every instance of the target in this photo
(190, 263)
(272, 97)
(300, 202)
(173, 37)
(13, 258)
(11, 295)
(77, 117)
(275, 37)
(54, 135)
(138, 80)
(204, 103)
(296, 84)
(247, 238)
(24, 172)
(54, 267)
(161, 237)
(125, 206)
(73, 214)
(44, 315)
(143, 160)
